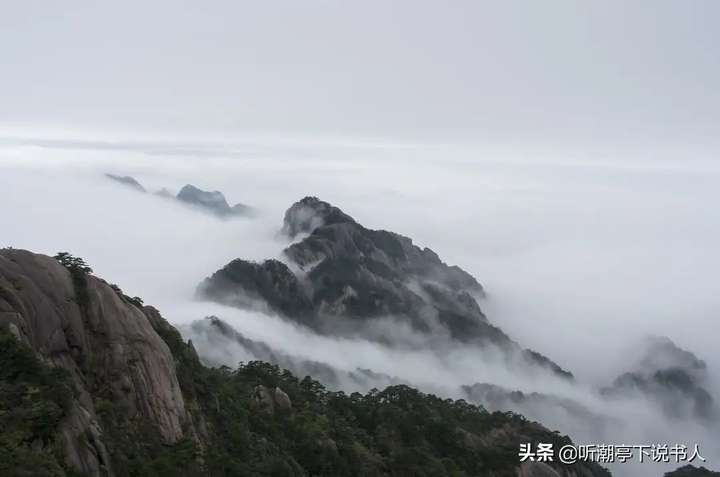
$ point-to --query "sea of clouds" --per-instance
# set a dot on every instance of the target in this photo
(580, 259)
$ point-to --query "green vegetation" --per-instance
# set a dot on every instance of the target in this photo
(133, 300)
(34, 398)
(79, 270)
(72, 263)
(395, 432)
(398, 431)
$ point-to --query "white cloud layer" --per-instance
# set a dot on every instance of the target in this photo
(580, 259)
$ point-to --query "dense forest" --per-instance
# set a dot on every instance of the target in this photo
(248, 431)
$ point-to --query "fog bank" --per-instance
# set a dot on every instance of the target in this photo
(580, 260)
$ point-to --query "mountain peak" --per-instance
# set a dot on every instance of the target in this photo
(309, 213)
(210, 201)
(128, 181)
(102, 386)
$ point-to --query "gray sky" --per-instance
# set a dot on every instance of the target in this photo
(595, 74)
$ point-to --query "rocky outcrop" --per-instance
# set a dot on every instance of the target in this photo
(106, 344)
(127, 181)
(672, 378)
(310, 213)
(341, 276)
(272, 400)
(211, 201)
(533, 358)
(268, 286)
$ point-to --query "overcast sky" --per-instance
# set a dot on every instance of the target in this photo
(609, 74)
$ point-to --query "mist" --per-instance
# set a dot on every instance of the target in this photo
(564, 154)
(580, 261)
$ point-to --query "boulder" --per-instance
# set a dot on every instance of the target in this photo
(282, 400)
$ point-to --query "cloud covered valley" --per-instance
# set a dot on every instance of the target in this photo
(592, 264)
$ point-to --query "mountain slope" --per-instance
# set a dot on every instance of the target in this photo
(140, 403)
(106, 344)
(211, 201)
(342, 276)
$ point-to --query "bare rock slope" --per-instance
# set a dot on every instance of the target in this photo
(106, 344)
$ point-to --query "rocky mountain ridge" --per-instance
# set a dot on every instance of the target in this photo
(141, 403)
(340, 276)
(220, 344)
(108, 346)
(127, 181)
(673, 379)
(213, 202)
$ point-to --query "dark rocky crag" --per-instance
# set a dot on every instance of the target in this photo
(140, 403)
(127, 181)
(211, 201)
(344, 275)
(672, 378)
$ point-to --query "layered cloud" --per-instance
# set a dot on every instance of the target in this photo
(579, 260)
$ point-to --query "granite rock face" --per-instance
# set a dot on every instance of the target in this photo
(272, 400)
(107, 344)
(342, 276)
